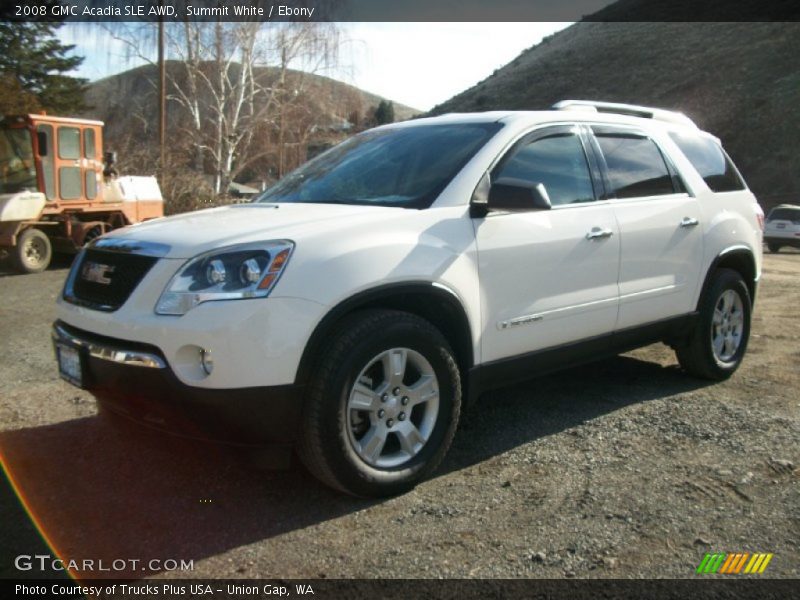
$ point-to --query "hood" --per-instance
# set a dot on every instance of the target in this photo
(190, 234)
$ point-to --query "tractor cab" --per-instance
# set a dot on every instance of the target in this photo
(59, 157)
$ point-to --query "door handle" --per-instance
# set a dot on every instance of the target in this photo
(598, 234)
(689, 222)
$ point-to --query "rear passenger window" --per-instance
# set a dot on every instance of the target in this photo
(558, 162)
(710, 161)
(635, 165)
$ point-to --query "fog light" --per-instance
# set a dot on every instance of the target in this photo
(206, 361)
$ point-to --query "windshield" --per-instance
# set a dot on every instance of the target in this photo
(406, 167)
(17, 169)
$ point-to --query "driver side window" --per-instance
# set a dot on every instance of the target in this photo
(558, 161)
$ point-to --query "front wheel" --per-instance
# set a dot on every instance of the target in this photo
(773, 247)
(717, 345)
(382, 408)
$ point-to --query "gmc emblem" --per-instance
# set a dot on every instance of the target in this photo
(96, 272)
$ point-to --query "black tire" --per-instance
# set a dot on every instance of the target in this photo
(773, 247)
(92, 234)
(327, 442)
(33, 251)
(698, 355)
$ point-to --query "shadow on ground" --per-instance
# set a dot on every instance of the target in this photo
(512, 416)
(105, 488)
(59, 262)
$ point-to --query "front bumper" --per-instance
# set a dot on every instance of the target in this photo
(135, 380)
(254, 343)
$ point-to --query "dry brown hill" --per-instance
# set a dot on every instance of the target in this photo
(130, 95)
(741, 81)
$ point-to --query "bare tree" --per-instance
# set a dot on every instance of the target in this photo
(242, 87)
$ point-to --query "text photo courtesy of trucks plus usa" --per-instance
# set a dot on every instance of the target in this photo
(266, 332)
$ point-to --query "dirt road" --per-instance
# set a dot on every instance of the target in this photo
(627, 468)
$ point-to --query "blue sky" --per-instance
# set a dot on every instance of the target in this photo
(417, 64)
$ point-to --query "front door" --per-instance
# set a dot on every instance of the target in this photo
(548, 277)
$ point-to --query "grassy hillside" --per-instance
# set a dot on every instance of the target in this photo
(741, 81)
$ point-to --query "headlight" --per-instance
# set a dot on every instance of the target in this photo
(232, 273)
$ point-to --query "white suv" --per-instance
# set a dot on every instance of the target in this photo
(355, 306)
(783, 227)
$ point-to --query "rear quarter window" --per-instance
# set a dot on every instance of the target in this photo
(710, 161)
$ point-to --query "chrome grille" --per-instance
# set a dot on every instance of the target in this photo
(104, 280)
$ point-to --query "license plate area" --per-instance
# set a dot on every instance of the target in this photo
(70, 364)
(780, 226)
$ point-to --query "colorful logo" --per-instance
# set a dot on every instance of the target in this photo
(734, 563)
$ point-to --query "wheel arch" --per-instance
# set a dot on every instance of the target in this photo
(433, 302)
(739, 259)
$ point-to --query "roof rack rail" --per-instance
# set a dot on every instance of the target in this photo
(646, 112)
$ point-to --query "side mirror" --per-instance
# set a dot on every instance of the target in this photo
(109, 168)
(518, 195)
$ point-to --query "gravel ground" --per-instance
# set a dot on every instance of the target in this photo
(626, 468)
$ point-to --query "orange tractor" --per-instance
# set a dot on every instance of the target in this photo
(58, 191)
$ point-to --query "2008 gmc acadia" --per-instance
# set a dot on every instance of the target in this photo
(355, 306)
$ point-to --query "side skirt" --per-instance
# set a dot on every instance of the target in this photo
(508, 371)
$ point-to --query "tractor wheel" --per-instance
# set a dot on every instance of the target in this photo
(33, 251)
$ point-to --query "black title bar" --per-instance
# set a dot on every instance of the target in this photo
(404, 589)
(399, 10)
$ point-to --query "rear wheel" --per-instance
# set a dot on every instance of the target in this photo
(383, 406)
(773, 247)
(33, 251)
(717, 345)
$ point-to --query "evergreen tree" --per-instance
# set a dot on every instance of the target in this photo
(13, 99)
(384, 113)
(33, 65)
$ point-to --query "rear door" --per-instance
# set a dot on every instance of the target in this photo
(661, 234)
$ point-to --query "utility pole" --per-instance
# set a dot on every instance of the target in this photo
(162, 98)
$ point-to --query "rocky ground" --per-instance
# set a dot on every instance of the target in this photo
(626, 468)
